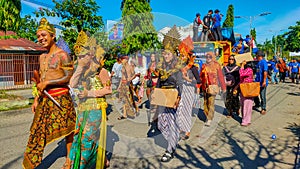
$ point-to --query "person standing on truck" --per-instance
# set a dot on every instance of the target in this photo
(217, 25)
(207, 20)
(196, 24)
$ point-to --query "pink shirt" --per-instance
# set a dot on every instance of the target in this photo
(246, 75)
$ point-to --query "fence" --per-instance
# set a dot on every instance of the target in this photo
(16, 70)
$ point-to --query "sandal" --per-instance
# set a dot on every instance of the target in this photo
(67, 164)
(167, 157)
(122, 117)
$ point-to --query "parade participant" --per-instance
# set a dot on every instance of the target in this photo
(116, 73)
(169, 78)
(239, 47)
(196, 24)
(261, 76)
(294, 70)
(151, 75)
(232, 79)
(246, 76)
(91, 83)
(191, 81)
(282, 70)
(54, 114)
(126, 93)
(217, 25)
(207, 21)
(211, 76)
(274, 71)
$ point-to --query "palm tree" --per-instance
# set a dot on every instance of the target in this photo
(10, 15)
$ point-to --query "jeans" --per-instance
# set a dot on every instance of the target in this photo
(218, 34)
(274, 77)
(204, 36)
(195, 34)
(263, 98)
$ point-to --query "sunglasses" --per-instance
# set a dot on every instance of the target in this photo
(231, 59)
(208, 56)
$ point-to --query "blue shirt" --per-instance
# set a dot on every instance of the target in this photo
(294, 67)
(217, 19)
(261, 67)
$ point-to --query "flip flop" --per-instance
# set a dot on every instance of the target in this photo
(122, 117)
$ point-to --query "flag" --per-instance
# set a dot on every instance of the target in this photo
(253, 45)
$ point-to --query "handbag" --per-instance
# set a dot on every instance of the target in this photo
(149, 82)
(251, 89)
(213, 89)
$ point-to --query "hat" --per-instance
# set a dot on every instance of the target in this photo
(171, 40)
(46, 26)
(123, 56)
(260, 53)
(217, 10)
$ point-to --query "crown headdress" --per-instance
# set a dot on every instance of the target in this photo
(171, 40)
(81, 42)
(45, 25)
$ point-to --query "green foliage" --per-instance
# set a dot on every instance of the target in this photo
(293, 38)
(139, 33)
(76, 15)
(28, 28)
(229, 21)
(253, 33)
(10, 15)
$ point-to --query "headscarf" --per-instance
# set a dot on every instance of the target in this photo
(233, 65)
(46, 26)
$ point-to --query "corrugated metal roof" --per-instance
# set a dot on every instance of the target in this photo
(19, 44)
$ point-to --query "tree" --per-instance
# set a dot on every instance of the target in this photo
(10, 15)
(292, 38)
(76, 15)
(228, 23)
(139, 32)
(253, 33)
(27, 28)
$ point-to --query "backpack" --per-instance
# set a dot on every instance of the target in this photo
(207, 20)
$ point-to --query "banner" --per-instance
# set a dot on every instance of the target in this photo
(115, 30)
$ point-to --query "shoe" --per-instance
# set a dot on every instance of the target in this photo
(167, 157)
(185, 137)
(245, 125)
(122, 118)
(263, 112)
(208, 123)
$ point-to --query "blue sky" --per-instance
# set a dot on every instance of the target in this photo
(169, 12)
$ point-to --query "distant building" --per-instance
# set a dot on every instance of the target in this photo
(18, 58)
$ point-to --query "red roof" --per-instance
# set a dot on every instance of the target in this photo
(19, 44)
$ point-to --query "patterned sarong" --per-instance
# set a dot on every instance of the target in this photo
(49, 124)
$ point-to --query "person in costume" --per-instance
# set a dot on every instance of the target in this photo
(169, 78)
(211, 76)
(191, 81)
(232, 80)
(126, 92)
(54, 114)
(91, 83)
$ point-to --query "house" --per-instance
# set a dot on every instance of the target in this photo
(18, 58)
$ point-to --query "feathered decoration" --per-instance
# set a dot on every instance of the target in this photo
(186, 46)
(63, 45)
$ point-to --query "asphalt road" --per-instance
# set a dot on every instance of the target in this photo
(133, 144)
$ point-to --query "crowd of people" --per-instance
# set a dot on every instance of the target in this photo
(70, 97)
(211, 26)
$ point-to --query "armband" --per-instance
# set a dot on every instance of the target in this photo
(35, 92)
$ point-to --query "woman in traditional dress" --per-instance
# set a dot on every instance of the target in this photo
(232, 79)
(169, 78)
(246, 76)
(191, 81)
(91, 83)
(126, 92)
(211, 76)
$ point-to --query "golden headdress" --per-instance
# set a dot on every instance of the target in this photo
(81, 42)
(171, 40)
(45, 25)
